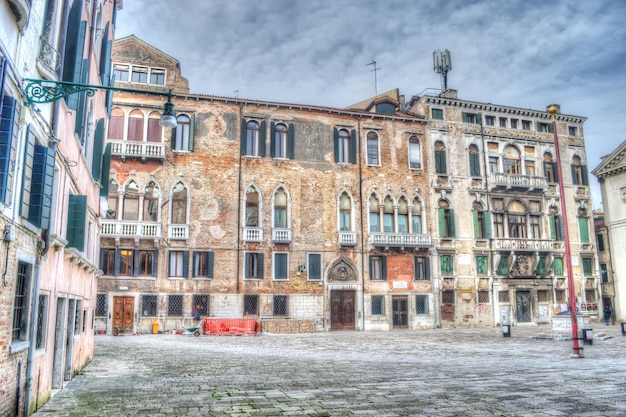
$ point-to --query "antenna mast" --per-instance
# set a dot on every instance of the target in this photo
(442, 63)
(375, 70)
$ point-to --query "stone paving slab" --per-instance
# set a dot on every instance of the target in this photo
(460, 372)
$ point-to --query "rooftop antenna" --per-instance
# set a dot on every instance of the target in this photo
(375, 70)
(236, 93)
(442, 63)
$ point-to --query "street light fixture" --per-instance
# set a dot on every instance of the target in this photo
(48, 91)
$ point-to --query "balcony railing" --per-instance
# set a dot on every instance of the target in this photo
(347, 238)
(49, 57)
(143, 150)
(527, 244)
(400, 240)
(281, 235)
(178, 231)
(129, 228)
(511, 181)
(253, 234)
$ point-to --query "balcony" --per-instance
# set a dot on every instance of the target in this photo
(129, 229)
(403, 240)
(49, 60)
(253, 234)
(178, 231)
(281, 235)
(140, 150)
(511, 182)
(527, 244)
(347, 238)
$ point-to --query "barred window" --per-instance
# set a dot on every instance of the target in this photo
(77, 317)
(447, 297)
(378, 305)
(251, 304)
(148, 305)
(101, 305)
(175, 305)
(542, 296)
(84, 320)
(483, 297)
(20, 302)
(560, 296)
(503, 297)
(42, 314)
(590, 296)
(280, 305)
(201, 302)
(421, 304)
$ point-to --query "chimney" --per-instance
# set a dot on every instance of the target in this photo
(450, 94)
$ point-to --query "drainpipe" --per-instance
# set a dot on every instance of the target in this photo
(362, 226)
(31, 332)
(239, 214)
(18, 395)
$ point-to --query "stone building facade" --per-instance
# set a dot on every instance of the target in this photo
(50, 160)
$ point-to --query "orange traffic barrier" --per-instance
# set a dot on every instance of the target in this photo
(230, 326)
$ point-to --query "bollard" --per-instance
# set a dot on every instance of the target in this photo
(587, 336)
(506, 330)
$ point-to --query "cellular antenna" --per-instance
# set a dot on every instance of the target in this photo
(375, 70)
(442, 63)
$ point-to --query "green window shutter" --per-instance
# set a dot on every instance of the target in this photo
(98, 146)
(541, 266)
(192, 128)
(155, 263)
(558, 266)
(440, 162)
(476, 224)
(336, 144)
(583, 171)
(464, 117)
(555, 169)
(261, 266)
(551, 222)
(503, 267)
(427, 269)
(246, 262)
(186, 264)
(353, 146)
(7, 117)
(290, 141)
(452, 228)
(559, 224)
(76, 64)
(272, 139)
(74, 28)
(481, 265)
(262, 137)
(574, 179)
(474, 159)
(487, 224)
(243, 148)
(383, 267)
(194, 259)
(583, 226)
(209, 266)
(76, 222)
(447, 267)
(371, 262)
(42, 184)
(443, 232)
(173, 139)
(106, 170)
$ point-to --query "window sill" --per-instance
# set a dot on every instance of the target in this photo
(19, 346)
(201, 279)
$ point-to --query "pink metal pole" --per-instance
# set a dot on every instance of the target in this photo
(568, 254)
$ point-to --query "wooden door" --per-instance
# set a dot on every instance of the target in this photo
(523, 306)
(342, 309)
(123, 313)
(400, 312)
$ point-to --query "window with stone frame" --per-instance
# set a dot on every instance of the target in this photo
(378, 268)
(135, 126)
(503, 297)
(42, 321)
(203, 262)
(280, 209)
(590, 295)
(560, 296)
(155, 131)
(250, 305)
(148, 305)
(402, 218)
(441, 166)
(416, 216)
(182, 133)
(474, 160)
(253, 138)
(151, 202)
(179, 203)
(511, 161)
(343, 146)
(446, 264)
(446, 220)
(345, 212)
(448, 297)
(200, 302)
(483, 297)
(252, 207)
(542, 296)
(280, 305)
(550, 168)
(373, 157)
(280, 137)
(587, 266)
(421, 304)
(378, 305)
(253, 265)
(116, 124)
(388, 216)
(422, 268)
(130, 207)
(281, 266)
(482, 265)
(107, 261)
(374, 214)
(415, 153)
(101, 305)
(314, 266)
(174, 305)
(579, 172)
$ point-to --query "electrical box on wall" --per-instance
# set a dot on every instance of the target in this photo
(9, 233)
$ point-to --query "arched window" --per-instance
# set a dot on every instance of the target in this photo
(374, 209)
(181, 140)
(516, 218)
(511, 161)
(474, 160)
(446, 219)
(131, 201)
(555, 221)
(388, 226)
(151, 202)
(579, 172)
(280, 141)
(481, 222)
(415, 153)
(550, 168)
(155, 131)
(252, 138)
(441, 166)
(252, 207)
(116, 124)
(416, 216)
(179, 204)
(403, 215)
(345, 211)
(135, 126)
(112, 200)
(280, 208)
(372, 149)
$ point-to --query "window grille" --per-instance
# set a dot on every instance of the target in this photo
(201, 302)
(421, 304)
(542, 296)
(280, 305)
(378, 305)
(483, 297)
(590, 296)
(77, 317)
(20, 303)
(251, 304)
(560, 296)
(101, 305)
(447, 297)
(41, 321)
(84, 320)
(148, 305)
(175, 305)
(503, 297)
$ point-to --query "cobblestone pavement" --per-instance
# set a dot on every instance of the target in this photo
(469, 372)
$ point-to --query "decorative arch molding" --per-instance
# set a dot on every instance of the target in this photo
(342, 269)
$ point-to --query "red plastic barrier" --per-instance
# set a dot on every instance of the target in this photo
(230, 326)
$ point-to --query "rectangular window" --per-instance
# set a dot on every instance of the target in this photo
(372, 151)
(314, 266)
(471, 118)
(415, 153)
(535, 227)
(604, 273)
(447, 297)
(600, 240)
(503, 266)
(19, 330)
(374, 222)
(529, 167)
(542, 296)
(503, 297)
(447, 265)
(557, 265)
(148, 305)
(281, 266)
(544, 127)
(253, 266)
(493, 164)
(446, 222)
(378, 268)
(572, 130)
(421, 304)
(441, 166)
(146, 263)
(280, 303)
(587, 267)
(437, 114)
(175, 305)
(498, 224)
(482, 266)
(560, 296)
(490, 120)
(590, 295)
(422, 268)
(176, 264)
(200, 302)
(101, 305)
(203, 264)
(345, 224)
(378, 305)
(126, 262)
(157, 76)
(514, 123)
(483, 297)
(502, 121)
(107, 261)
(139, 75)
(583, 227)
(120, 72)
(42, 314)
(250, 305)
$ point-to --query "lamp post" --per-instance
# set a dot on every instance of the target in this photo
(48, 91)
(578, 351)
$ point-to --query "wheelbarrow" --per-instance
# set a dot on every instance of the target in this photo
(192, 331)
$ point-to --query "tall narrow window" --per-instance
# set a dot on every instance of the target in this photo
(446, 264)
(280, 141)
(179, 204)
(372, 149)
(116, 125)
(535, 227)
(550, 168)
(253, 267)
(126, 262)
(378, 268)
(415, 153)
(343, 147)
(583, 225)
(494, 161)
(178, 264)
(374, 209)
(252, 138)
(280, 208)
(446, 220)
(517, 220)
(416, 216)
(181, 140)
(403, 215)
(146, 263)
(555, 222)
(579, 172)
(314, 266)
(131, 201)
(135, 126)
(498, 224)
(422, 268)
(345, 210)
(281, 266)
(440, 158)
(155, 131)
(252, 207)
(474, 161)
(481, 222)
(107, 261)
(511, 161)
(19, 329)
(151, 202)
(203, 264)
(388, 226)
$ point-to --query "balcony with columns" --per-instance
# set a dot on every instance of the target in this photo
(138, 150)
(531, 245)
(253, 234)
(400, 240)
(347, 239)
(280, 235)
(514, 182)
(118, 229)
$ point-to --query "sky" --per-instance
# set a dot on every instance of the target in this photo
(525, 54)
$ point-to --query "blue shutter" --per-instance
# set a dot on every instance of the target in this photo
(98, 145)
(76, 221)
(74, 27)
(27, 172)
(192, 127)
(106, 169)
(383, 267)
(105, 56)
(79, 126)
(336, 144)
(42, 183)
(272, 139)
(427, 269)
(583, 171)
(246, 262)
(243, 148)
(155, 263)
(135, 262)
(260, 265)
(209, 265)
(452, 228)
(353, 146)
(194, 259)
(3, 64)
(290, 135)
(75, 70)
(574, 177)
(6, 136)
(262, 136)
(555, 169)
(173, 139)
(186, 264)
(117, 261)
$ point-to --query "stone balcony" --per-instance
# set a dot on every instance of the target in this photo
(397, 240)
(527, 244)
(253, 234)
(129, 229)
(280, 235)
(178, 231)
(510, 182)
(347, 239)
(138, 150)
